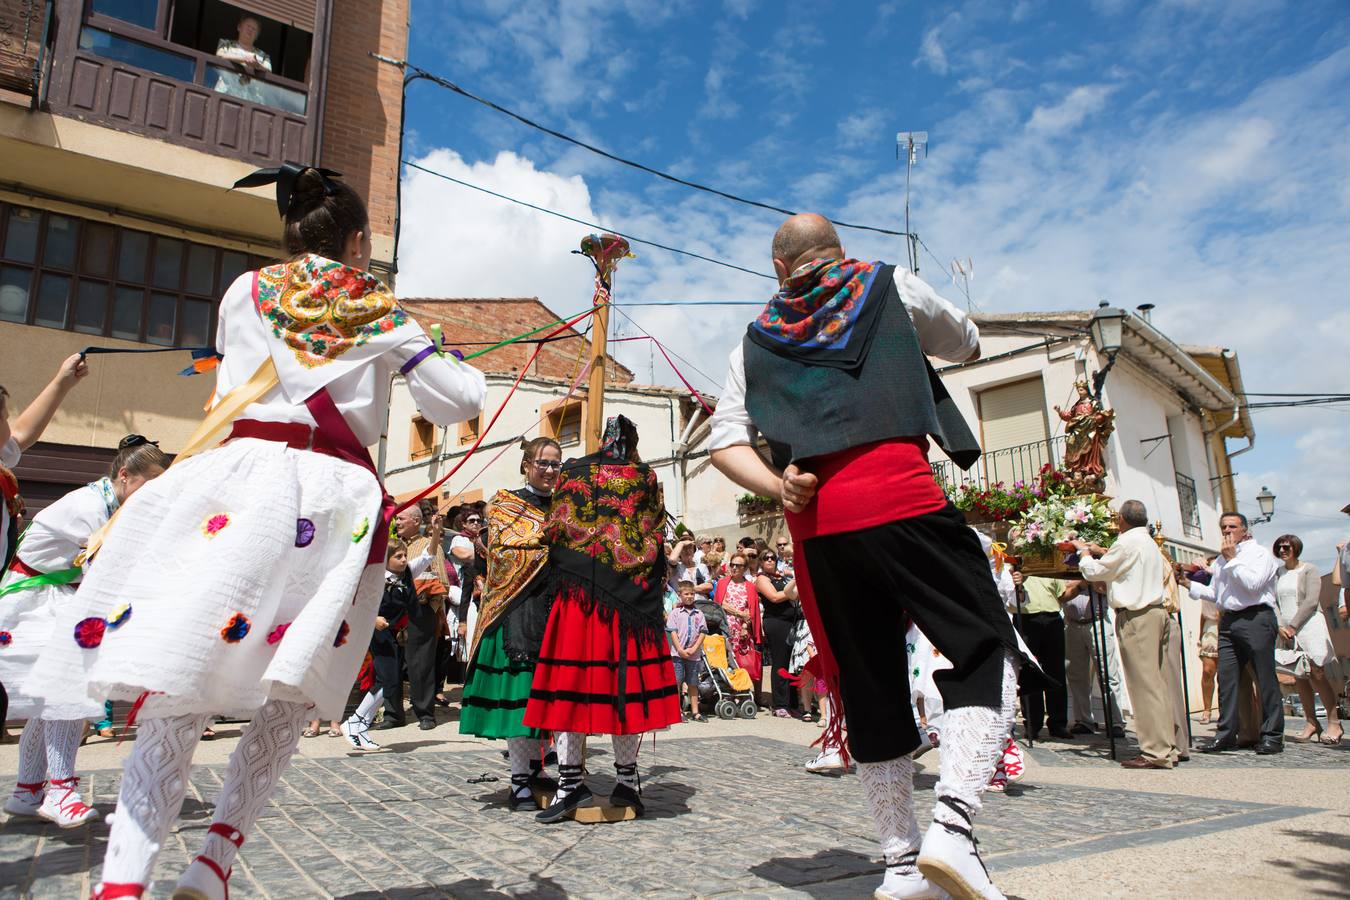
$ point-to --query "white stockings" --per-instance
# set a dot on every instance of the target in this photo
(47, 750)
(365, 711)
(265, 749)
(890, 798)
(571, 747)
(625, 758)
(154, 781)
(972, 740)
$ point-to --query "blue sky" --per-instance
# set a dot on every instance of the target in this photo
(1188, 153)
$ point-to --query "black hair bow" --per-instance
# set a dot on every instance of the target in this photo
(283, 176)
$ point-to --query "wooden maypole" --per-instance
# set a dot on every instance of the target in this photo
(605, 251)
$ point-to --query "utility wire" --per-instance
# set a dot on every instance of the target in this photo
(451, 86)
(637, 240)
(713, 381)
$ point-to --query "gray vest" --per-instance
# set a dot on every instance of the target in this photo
(806, 410)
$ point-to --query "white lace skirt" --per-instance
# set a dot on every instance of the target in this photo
(233, 578)
(27, 622)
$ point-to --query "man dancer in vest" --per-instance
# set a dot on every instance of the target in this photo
(833, 375)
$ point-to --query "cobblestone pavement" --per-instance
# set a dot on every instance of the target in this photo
(726, 817)
(1095, 751)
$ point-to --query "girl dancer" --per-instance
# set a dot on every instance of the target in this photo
(511, 622)
(253, 570)
(41, 581)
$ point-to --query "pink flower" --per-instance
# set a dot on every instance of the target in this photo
(216, 524)
(278, 633)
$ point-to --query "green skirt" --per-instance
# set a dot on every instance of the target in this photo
(495, 695)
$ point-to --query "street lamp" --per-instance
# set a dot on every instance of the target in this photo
(1107, 330)
(1266, 500)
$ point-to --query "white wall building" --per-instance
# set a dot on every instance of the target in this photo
(417, 453)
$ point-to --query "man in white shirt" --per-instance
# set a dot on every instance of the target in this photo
(1134, 572)
(1343, 570)
(1245, 575)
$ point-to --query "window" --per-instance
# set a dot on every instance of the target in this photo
(258, 51)
(1013, 429)
(1190, 507)
(422, 439)
(564, 423)
(62, 272)
(468, 431)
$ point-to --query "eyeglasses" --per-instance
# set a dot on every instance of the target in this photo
(547, 464)
(736, 565)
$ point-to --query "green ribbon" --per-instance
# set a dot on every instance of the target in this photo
(65, 576)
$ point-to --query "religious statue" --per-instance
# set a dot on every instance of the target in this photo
(1086, 427)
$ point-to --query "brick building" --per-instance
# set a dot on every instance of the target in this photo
(473, 324)
(121, 126)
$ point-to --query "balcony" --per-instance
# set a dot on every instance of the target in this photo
(1008, 465)
(149, 67)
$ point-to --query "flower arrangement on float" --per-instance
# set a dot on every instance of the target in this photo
(1051, 524)
(1000, 503)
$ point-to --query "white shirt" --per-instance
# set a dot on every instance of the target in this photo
(445, 389)
(1246, 580)
(60, 532)
(9, 458)
(1134, 571)
(1342, 560)
(944, 332)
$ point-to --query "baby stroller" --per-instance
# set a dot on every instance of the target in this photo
(731, 684)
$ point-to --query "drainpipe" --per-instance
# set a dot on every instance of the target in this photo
(682, 456)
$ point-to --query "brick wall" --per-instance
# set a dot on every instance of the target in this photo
(363, 100)
(464, 323)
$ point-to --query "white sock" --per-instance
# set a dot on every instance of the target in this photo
(571, 758)
(154, 781)
(32, 756)
(890, 799)
(972, 743)
(62, 740)
(625, 758)
(369, 703)
(256, 765)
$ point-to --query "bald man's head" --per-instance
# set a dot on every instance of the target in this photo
(804, 236)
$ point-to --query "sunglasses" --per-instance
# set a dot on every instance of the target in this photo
(474, 521)
(752, 555)
(1281, 548)
(769, 557)
(736, 566)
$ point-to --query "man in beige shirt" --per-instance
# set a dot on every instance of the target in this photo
(1134, 573)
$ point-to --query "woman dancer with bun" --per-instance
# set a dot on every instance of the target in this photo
(41, 582)
(253, 571)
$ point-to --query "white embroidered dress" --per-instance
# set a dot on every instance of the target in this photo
(245, 566)
(28, 616)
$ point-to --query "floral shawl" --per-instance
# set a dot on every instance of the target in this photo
(605, 534)
(516, 556)
(821, 314)
(327, 319)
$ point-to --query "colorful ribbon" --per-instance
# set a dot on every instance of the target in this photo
(65, 576)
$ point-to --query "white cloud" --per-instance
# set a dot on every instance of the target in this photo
(931, 53)
(856, 128)
(1070, 112)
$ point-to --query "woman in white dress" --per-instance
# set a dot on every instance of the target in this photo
(253, 570)
(1305, 647)
(40, 583)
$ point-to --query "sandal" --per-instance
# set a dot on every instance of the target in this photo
(334, 732)
(808, 717)
(310, 732)
(208, 733)
(1328, 739)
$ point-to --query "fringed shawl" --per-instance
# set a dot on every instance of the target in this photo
(605, 541)
(517, 555)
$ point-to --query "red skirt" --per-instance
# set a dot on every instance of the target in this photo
(576, 682)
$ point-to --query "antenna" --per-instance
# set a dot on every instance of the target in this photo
(965, 271)
(907, 145)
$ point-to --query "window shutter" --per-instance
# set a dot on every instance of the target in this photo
(1013, 414)
(298, 13)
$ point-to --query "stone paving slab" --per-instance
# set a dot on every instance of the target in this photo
(1096, 751)
(727, 817)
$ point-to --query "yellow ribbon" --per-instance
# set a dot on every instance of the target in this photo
(207, 435)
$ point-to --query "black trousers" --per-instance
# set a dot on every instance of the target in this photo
(1044, 695)
(389, 678)
(778, 634)
(869, 583)
(1248, 636)
(419, 653)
